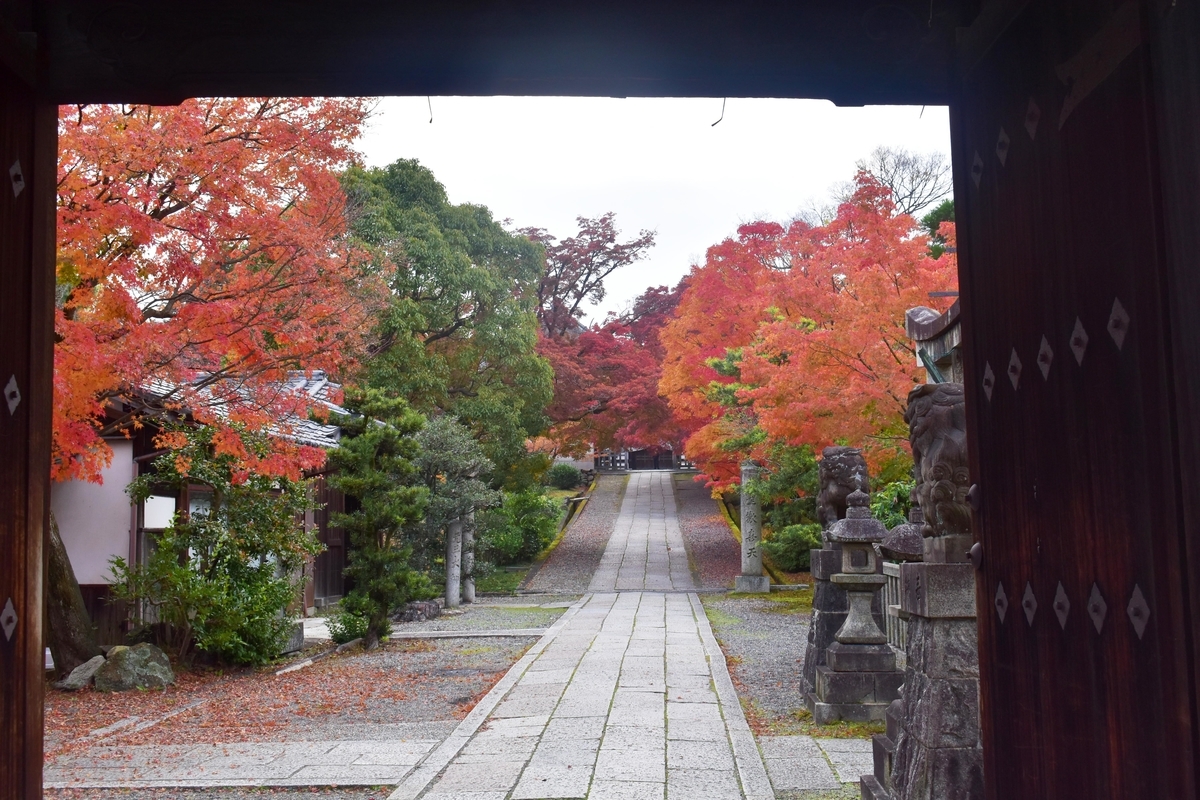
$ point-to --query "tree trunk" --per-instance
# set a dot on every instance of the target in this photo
(70, 634)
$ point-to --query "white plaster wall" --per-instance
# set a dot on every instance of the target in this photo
(93, 519)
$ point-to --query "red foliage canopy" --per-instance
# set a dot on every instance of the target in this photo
(202, 250)
(797, 333)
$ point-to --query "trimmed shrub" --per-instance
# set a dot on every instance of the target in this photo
(789, 547)
(564, 476)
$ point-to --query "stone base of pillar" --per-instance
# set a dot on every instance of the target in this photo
(752, 583)
(933, 750)
(858, 696)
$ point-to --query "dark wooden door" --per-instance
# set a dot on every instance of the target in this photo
(330, 565)
(1085, 636)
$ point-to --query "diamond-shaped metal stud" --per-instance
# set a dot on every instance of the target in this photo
(1045, 358)
(8, 619)
(1079, 340)
(12, 395)
(1029, 603)
(1002, 142)
(1138, 611)
(1062, 606)
(1096, 607)
(1001, 602)
(1033, 116)
(1014, 368)
(1118, 323)
(17, 177)
(977, 169)
(989, 380)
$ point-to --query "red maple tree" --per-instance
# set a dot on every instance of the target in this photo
(202, 256)
(796, 333)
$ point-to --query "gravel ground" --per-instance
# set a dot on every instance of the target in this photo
(764, 643)
(403, 689)
(714, 554)
(571, 564)
(355, 793)
(488, 617)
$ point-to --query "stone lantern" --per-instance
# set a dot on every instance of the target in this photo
(859, 678)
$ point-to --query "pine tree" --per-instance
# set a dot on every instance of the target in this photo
(373, 466)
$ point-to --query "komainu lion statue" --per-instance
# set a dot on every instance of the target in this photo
(842, 470)
(937, 425)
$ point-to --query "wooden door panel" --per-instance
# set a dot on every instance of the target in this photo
(1060, 221)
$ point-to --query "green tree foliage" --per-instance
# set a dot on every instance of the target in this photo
(452, 467)
(373, 466)
(788, 486)
(931, 223)
(519, 529)
(220, 579)
(460, 333)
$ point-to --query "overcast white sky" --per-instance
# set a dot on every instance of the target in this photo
(657, 163)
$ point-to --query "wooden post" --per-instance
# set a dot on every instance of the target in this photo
(28, 145)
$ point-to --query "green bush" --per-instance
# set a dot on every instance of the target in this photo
(564, 476)
(219, 581)
(789, 547)
(346, 627)
(890, 503)
(519, 529)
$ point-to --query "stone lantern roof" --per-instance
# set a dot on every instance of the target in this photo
(859, 525)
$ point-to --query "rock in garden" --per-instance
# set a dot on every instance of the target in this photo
(81, 676)
(142, 666)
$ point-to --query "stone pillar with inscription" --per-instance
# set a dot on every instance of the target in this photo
(752, 578)
(932, 747)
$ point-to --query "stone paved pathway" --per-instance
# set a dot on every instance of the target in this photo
(626, 697)
(646, 550)
(629, 699)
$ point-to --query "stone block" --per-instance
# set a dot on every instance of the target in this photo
(920, 773)
(829, 597)
(887, 685)
(825, 563)
(845, 687)
(860, 657)
(941, 713)
(938, 591)
(81, 676)
(872, 790)
(829, 713)
(954, 549)
(943, 648)
(883, 750)
(752, 584)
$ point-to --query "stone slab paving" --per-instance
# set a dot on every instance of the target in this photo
(646, 550)
(851, 758)
(366, 763)
(631, 699)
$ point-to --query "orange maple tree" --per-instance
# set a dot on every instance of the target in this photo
(796, 333)
(202, 257)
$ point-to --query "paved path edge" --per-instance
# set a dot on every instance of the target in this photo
(746, 756)
(420, 778)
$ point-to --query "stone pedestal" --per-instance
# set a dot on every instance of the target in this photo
(752, 578)
(830, 605)
(859, 678)
(931, 749)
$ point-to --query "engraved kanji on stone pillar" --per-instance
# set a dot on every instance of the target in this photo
(752, 578)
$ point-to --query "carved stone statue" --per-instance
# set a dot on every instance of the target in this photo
(936, 418)
(842, 470)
